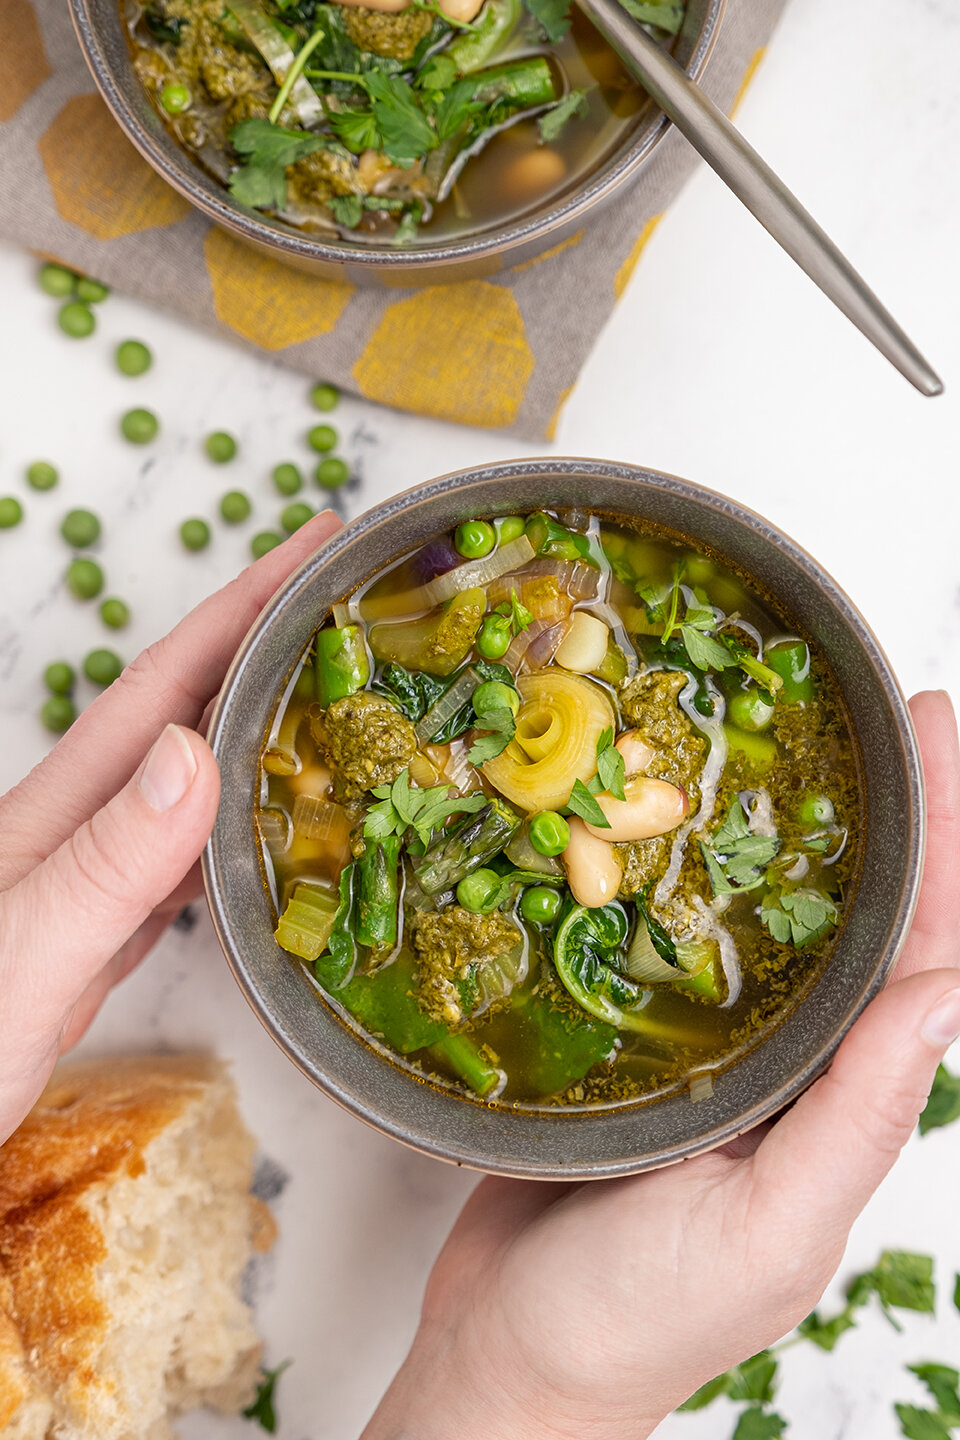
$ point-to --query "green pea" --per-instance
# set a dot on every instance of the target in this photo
(235, 507)
(58, 713)
(494, 695)
(115, 613)
(139, 426)
(57, 280)
(495, 636)
(41, 475)
(84, 578)
(475, 538)
(509, 527)
(549, 833)
(102, 666)
(295, 515)
(750, 709)
(331, 473)
(220, 447)
(325, 397)
(540, 905)
(264, 541)
(132, 357)
(59, 677)
(76, 320)
(91, 292)
(195, 534)
(80, 528)
(323, 438)
(480, 892)
(815, 810)
(11, 512)
(175, 98)
(287, 478)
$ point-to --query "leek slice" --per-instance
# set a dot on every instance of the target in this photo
(273, 46)
(558, 725)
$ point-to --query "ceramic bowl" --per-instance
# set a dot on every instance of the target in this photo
(646, 1133)
(104, 43)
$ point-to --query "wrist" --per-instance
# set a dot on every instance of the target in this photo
(444, 1388)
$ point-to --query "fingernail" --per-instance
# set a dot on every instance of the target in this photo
(942, 1025)
(168, 771)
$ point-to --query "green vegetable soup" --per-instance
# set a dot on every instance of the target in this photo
(370, 122)
(596, 868)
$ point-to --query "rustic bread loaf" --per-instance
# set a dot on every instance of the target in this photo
(126, 1224)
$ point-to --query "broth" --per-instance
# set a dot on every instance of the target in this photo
(444, 764)
(494, 168)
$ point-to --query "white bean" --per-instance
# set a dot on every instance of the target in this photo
(636, 753)
(592, 868)
(583, 647)
(651, 807)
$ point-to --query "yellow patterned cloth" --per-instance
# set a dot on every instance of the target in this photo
(502, 352)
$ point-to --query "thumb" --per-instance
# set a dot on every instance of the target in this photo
(830, 1152)
(68, 917)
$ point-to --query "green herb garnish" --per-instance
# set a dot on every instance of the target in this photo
(582, 803)
(519, 616)
(736, 859)
(610, 766)
(261, 1408)
(551, 124)
(943, 1104)
(402, 805)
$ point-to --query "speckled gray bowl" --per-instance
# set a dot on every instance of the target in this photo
(648, 1133)
(104, 44)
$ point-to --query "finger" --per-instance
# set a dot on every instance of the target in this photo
(933, 935)
(823, 1160)
(71, 915)
(171, 682)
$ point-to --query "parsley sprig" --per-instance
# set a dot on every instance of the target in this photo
(501, 726)
(519, 616)
(583, 803)
(262, 1408)
(736, 859)
(611, 771)
(402, 805)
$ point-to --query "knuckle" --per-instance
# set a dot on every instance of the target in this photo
(103, 862)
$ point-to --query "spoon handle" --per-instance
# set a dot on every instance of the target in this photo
(761, 191)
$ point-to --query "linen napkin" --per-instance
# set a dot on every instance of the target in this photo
(503, 352)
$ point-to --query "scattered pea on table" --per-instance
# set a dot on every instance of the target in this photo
(57, 280)
(91, 292)
(102, 666)
(332, 473)
(76, 320)
(235, 507)
(139, 426)
(287, 478)
(220, 447)
(195, 534)
(80, 528)
(132, 357)
(84, 578)
(264, 541)
(115, 613)
(58, 713)
(322, 438)
(41, 475)
(325, 397)
(11, 512)
(295, 515)
(59, 677)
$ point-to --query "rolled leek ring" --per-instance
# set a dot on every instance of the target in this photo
(539, 732)
(581, 710)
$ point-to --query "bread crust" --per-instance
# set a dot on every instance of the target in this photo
(91, 1126)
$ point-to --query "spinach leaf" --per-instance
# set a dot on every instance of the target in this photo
(943, 1105)
(335, 964)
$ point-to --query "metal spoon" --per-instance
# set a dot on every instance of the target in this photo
(764, 194)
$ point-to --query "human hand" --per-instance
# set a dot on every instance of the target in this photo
(100, 844)
(591, 1311)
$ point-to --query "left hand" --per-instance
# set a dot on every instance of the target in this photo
(100, 841)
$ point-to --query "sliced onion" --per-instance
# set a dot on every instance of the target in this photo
(643, 960)
(535, 647)
(272, 45)
(276, 829)
(344, 613)
(453, 582)
(447, 706)
(701, 1087)
(520, 852)
(319, 819)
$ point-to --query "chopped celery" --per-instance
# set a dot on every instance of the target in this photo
(306, 924)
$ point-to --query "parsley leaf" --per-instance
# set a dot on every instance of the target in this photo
(406, 131)
(261, 1407)
(755, 1379)
(457, 107)
(665, 15)
(403, 805)
(826, 1333)
(942, 1382)
(261, 180)
(500, 723)
(943, 1106)
(582, 803)
(357, 129)
(551, 124)
(919, 1424)
(553, 17)
(757, 1424)
(520, 616)
(610, 766)
(956, 1292)
(719, 1385)
(705, 652)
(346, 209)
(736, 860)
(900, 1280)
(800, 915)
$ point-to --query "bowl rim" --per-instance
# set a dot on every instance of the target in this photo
(770, 1103)
(213, 200)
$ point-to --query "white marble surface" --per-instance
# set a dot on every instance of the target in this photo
(722, 364)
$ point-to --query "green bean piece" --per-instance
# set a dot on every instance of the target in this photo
(341, 664)
(479, 892)
(295, 515)
(235, 507)
(325, 397)
(11, 512)
(132, 358)
(750, 709)
(331, 473)
(307, 922)
(493, 26)
(80, 528)
(759, 750)
(175, 98)
(466, 847)
(102, 666)
(114, 613)
(463, 1057)
(84, 578)
(549, 833)
(59, 677)
(91, 292)
(76, 320)
(41, 475)
(139, 426)
(323, 438)
(378, 894)
(790, 659)
(287, 478)
(264, 541)
(220, 447)
(58, 713)
(57, 280)
(548, 537)
(195, 534)
(475, 538)
(540, 905)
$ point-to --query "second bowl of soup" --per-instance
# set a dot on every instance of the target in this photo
(550, 841)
